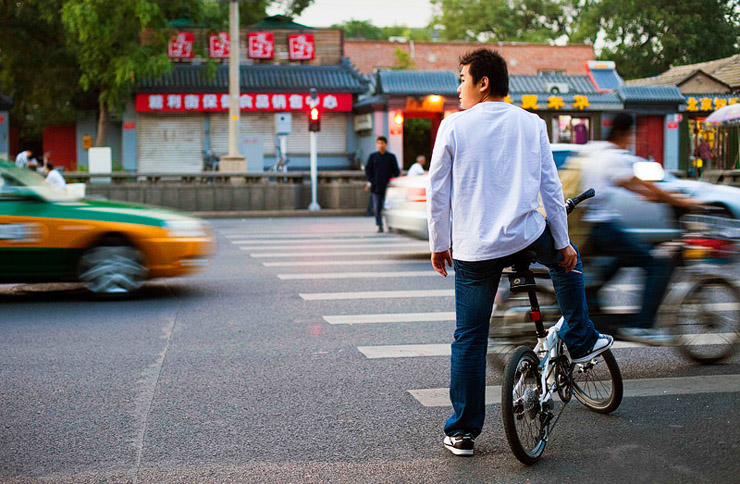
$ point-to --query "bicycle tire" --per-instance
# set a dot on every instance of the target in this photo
(528, 406)
(716, 325)
(584, 389)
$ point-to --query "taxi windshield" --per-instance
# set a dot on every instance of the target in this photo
(14, 180)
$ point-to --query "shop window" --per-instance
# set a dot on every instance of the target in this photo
(571, 129)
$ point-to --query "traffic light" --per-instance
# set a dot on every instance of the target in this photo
(314, 119)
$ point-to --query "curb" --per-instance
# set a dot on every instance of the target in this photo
(282, 213)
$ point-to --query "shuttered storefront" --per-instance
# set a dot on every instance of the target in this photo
(257, 123)
(332, 140)
(170, 143)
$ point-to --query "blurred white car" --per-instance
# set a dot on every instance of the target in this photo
(405, 200)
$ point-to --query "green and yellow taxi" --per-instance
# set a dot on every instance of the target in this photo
(111, 247)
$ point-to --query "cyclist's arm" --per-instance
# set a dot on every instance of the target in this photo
(653, 193)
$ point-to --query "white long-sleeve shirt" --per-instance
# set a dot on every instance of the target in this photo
(488, 167)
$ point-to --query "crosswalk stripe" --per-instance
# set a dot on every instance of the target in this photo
(644, 387)
(353, 235)
(354, 262)
(350, 242)
(330, 296)
(341, 253)
(358, 275)
(418, 350)
(356, 247)
(389, 318)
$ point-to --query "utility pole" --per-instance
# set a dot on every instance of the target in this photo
(234, 161)
(314, 206)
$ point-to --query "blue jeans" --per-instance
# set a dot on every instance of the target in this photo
(610, 239)
(476, 284)
(378, 201)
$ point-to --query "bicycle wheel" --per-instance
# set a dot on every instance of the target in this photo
(520, 406)
(597, 384)
(707, 321)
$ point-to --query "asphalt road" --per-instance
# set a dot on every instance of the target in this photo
(264, 370)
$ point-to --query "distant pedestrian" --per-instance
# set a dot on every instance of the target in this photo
(381, 167)
(417, 168)
(21, 161)
(53, 177)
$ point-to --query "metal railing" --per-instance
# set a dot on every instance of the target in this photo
(295, 177)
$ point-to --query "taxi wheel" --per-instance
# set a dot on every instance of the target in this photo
(112, 268)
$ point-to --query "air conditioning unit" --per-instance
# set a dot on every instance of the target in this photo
(557, 87)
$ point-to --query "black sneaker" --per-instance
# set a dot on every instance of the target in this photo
(460, 444)
(380, 229)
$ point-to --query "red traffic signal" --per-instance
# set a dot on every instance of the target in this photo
(314, 119)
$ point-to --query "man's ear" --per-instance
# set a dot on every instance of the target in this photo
(483, 84)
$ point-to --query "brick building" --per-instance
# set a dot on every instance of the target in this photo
(523, 59)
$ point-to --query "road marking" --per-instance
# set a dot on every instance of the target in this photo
(357, 275)
(645, 387)
(389, 318)
(332, 296)
(341, 253)
(291, 241)
(418, 350)
(354, 262)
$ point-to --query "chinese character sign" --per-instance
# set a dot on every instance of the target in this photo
(181, 46)
(183, 102)
(261, 45)
(301, 47)
(218, 45)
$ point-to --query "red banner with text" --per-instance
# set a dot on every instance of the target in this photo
(178, 102)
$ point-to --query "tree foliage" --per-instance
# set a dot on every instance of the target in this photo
(365, 30)
(646, 38)
(512, 20)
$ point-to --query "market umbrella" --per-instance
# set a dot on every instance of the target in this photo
(726, 116)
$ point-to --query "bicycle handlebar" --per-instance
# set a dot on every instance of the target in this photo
(571, 203)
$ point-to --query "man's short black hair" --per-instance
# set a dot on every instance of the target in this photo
(621, 126)
(382, 138)
(488, 63)
(50, 165)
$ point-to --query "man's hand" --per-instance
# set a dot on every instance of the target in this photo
(570, 258)
(440, 261)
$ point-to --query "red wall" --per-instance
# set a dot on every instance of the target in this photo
(649, 137)
(61, 141)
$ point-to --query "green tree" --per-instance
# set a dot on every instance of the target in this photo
(403, 60)
(36, 64)
(360, 29)
(116, 43)
(646, 38)
(513, 20)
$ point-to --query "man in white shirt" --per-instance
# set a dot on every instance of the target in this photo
(22, 159)
(53, 177)
(417, 168)
(489, 164)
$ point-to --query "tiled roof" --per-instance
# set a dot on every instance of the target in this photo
(726, 70)
(417, 83)
(538, 84)
(256, 78)
(651, 94)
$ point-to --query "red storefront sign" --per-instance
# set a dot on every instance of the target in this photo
(301, 47)
(177, 102)
(129, 125)
(218, 45)
(261, 45)
(181, 46)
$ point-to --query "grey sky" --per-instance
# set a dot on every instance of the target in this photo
(381, 13)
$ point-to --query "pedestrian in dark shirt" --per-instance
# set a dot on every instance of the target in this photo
(381, 167)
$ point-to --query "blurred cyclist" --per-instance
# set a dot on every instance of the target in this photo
(607, 167)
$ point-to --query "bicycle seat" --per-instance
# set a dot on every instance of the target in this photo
(521, 260)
